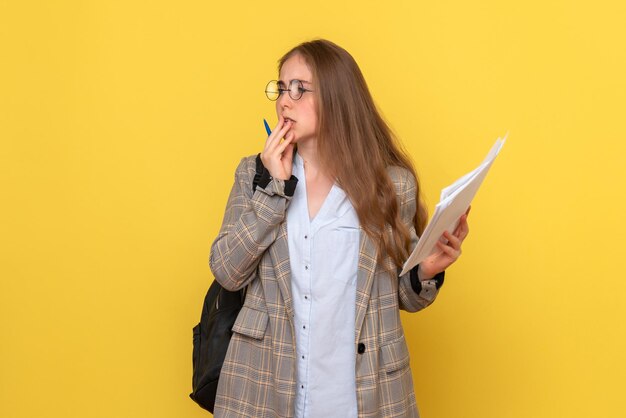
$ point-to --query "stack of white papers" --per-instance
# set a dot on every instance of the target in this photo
(454, 202)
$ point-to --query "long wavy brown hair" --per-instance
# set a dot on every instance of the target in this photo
(356, 146)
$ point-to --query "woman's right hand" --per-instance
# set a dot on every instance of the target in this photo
(277, 156)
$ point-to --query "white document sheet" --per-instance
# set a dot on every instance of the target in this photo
(454, 202)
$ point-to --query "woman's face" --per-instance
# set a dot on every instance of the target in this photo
(301, 112)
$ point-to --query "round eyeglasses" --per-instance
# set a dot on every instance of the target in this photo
(275, 88)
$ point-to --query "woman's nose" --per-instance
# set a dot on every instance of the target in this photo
(284, 100)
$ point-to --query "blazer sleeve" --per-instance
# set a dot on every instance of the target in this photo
(413, 298)
(251, 224)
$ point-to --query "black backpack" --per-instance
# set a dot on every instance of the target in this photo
(212, 335)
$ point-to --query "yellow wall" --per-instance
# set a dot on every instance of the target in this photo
(121, 123)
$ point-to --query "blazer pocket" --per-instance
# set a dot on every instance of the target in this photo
(251, 322)
(395, 355)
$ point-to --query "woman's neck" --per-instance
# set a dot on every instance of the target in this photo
(308, 153)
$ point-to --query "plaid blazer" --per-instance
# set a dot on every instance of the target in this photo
(258, 378)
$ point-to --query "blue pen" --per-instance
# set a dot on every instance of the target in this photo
(267, 128)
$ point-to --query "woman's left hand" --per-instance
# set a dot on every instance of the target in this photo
(447, 253)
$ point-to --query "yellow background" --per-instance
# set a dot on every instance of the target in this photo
(121, 123)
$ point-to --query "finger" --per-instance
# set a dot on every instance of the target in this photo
(288, 155)
(464, 231)
(277, 135)
(279, 131)
(448, 250)
(462, 228)
(277, 152)
(269, 151)
(280, 123)
(282, 126)
(461, 225)
(280, 148)
(453, 241)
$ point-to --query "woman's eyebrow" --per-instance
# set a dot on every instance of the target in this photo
(303, 81)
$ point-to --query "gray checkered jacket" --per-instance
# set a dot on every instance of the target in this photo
(258, 378)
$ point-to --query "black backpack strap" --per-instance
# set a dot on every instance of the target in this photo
(262, 178)
(259, 172)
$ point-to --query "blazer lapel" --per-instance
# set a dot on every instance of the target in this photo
(365, 278)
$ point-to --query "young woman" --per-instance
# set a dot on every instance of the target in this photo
(320, 243)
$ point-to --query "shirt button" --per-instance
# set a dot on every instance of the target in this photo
(306, 267)
(361, 348)
(302, 386)
(306, 297)
(302, 357)
(306, 236)
(303, 326)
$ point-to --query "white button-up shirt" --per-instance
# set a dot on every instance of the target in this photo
(323, 256)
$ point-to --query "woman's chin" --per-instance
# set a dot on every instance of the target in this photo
(303, 140)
